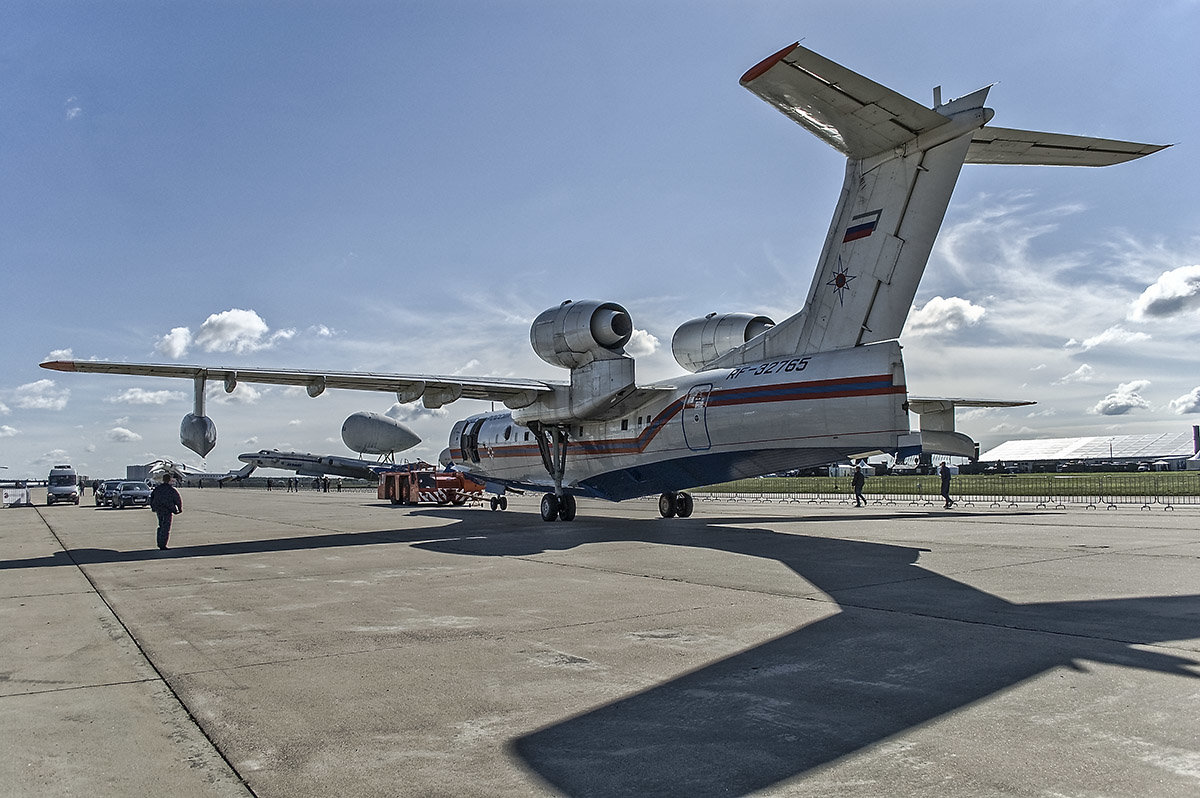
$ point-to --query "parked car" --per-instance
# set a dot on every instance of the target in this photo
(131, 494)
(106, 491)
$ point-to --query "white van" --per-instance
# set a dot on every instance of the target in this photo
(63, 485)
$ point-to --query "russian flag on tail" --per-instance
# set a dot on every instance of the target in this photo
(862, 226)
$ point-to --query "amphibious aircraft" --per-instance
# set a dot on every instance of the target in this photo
(317, 465)
(824, 385)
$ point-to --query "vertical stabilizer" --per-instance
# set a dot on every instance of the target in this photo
(903, 161)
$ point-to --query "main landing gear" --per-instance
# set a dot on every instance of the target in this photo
(552, 444)
(560, 507)
(671, 504)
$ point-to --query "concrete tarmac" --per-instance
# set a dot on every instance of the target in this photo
(319, 644)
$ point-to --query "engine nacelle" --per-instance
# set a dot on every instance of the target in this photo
(198, 433)
(577, 333)
(699, 342)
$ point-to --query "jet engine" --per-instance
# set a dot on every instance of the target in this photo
(697, 343)
(577, 333)
(372, 433)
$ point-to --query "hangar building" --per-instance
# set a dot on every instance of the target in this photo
(1161, 452)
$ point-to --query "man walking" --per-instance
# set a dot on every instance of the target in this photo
(165, 502)
(944, 471)
(860, 480)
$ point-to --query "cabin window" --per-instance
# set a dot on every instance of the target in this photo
(507, 433)
(526, 434)
(624, 423)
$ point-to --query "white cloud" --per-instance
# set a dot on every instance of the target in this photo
(61, 354)
(1082, 374)
(52, 457)
(941, 315)
(74, 110)
(295, 422)
(413, 410)
(243, 394)
(4, 409)
(140, 396)
(1113, 335)
(239, 331)
(175, 344)
(122, 435)
(41, 395)
(641, 344)
(8, 432)
(1125, 398)
(1188, 403)
(1174, 292)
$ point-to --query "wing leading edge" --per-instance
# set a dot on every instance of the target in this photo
(433, 390)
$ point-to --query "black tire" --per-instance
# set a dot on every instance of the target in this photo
(503, 502)
(666, 505)
(495, 503)
(566, 508)
(549, 507)
(684, 505)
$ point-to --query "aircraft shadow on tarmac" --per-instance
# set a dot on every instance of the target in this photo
(908, 646)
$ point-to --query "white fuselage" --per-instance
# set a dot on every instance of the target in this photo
(710, 427)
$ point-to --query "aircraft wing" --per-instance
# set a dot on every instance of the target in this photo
(1002, 145)
(435, 391)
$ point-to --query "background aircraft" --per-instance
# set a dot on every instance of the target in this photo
(184, 473)
(316, 465)
(823, 385)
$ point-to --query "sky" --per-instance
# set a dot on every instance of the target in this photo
(402, 187)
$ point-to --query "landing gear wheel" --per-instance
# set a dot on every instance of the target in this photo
(495, 503)
(503, 502)
(684, 505)
(666, 505)
(549, 507)
(566, 508)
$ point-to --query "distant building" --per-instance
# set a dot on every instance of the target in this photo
(1160, 452)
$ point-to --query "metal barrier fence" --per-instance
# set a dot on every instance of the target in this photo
(1041, 491)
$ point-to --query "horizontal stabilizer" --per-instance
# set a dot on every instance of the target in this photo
(924, 404)
(853, 114)
(937, 423)
(1002, 145)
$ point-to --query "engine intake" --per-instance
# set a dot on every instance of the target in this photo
(699, 342)
(577, 333)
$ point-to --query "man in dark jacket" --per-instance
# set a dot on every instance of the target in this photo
(944, 472)
(165, 502)
(860, 480)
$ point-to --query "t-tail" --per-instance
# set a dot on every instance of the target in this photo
(903, 160)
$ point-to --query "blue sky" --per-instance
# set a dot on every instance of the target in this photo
(403, 186)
